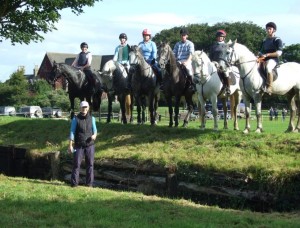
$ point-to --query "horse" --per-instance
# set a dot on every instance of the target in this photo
(174, 83)
(114, 82)
(252, 84)
(209, 86)
(144, 85)
(77, 85)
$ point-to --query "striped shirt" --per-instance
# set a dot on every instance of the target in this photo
(182, 51)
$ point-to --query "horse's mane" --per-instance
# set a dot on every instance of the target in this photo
(243, 49)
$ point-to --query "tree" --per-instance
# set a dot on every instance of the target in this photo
(23, 21)
(291, 53)
(203, 35)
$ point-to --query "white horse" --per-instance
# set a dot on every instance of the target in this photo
(209, 87)
(251, 83)
(114, 82)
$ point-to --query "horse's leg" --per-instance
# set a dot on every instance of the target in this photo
(225, 110)
(247, 114)
(297, 103)
(292, 107)
(131, 108)
(169, 102)
(189, 101)
(109, 108)
(151, 109)
(257, 101)
(176, 110)
(214, 100)
(202, 112)
(235, 100)
(127, 105)
(144, 106)
(122, 101)
(71, 98)
(138, 109)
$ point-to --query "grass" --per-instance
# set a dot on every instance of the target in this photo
(37, 203)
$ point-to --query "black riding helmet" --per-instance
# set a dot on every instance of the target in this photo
(123, 35)
(84, 44)
(272, 25)
(184, 31)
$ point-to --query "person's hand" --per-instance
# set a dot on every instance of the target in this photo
(93, 137)
(70, 149)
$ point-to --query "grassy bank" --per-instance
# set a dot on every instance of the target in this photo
(36, 203)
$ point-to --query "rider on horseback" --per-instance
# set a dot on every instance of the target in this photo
(271, 49)
(122, 52)
(183, 51)
(214, 55)
(149, 50)
(83, 62)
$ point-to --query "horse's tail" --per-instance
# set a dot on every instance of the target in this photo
(127, 104)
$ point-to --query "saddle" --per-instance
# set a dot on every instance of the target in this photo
(263, 71)
(184, 71)
(232, 78)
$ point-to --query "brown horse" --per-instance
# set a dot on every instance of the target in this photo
(174, 80)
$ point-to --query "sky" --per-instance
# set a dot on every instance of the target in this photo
(101, 25)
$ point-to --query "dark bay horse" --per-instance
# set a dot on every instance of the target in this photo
(144, 85)
(77, 85)
(114, 82)
(174, 80)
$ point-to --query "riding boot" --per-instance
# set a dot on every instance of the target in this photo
(269, 83)
(192, 85)
(227, 88)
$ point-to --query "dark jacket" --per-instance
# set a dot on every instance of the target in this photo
(84, 131)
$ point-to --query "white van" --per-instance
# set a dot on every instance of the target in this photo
(31, 112)
(7, 111)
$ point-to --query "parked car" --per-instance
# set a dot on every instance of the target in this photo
(51, 112)
(31, 112)
(7, 111)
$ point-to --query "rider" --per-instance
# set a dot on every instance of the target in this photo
(183, 51)
(270, 51)
(83, 62)
(149, 50)
(122, 52)
(214, 55)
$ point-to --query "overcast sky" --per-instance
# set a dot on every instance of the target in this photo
(101, 25)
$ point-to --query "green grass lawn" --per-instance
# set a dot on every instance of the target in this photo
(37, 203)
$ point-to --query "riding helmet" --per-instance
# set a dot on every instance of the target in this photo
(184, 31)
(221, 32)
(123, 36)
(146, 32)
(84, 44)
(272, 25)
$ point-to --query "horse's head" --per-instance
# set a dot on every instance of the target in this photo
(55, 72)
(106, 74)
(164, 52)
(202, 66)
(135, 55)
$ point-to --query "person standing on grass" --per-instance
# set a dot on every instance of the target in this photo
(83, 135)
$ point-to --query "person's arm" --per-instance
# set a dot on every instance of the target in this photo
(94, 128)
(74, 64)
(116, 54)
(154, 50)
(72, 134)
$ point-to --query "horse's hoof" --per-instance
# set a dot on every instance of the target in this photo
(236, 129)
(216, 129)
(246, 131)
(258, 130)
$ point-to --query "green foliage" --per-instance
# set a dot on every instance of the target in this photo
(291, 53)
(203, 35)
(24, 21)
